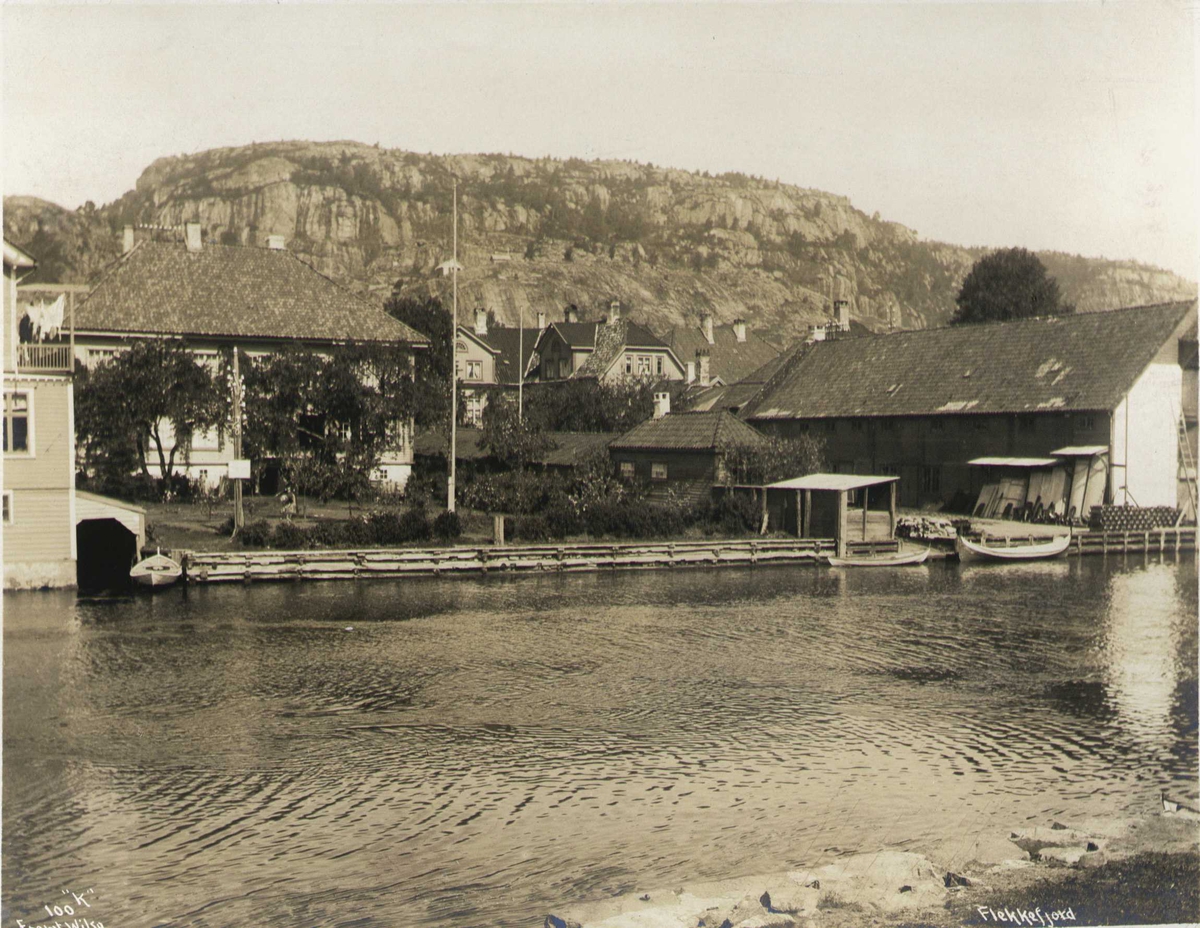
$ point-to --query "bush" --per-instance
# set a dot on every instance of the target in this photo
(561, 517)
(255, 534)
(735, 514)
(289, 536)
(326, 535)
(447, 526)
(226, 527)
(387, 529)
(529, 528)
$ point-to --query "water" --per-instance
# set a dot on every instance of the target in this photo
(437, 752)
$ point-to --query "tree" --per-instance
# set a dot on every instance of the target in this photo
(775, 459)
(432, 384)
(512, 439)
(156, 393)
(1008, 284)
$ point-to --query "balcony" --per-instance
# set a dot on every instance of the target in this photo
(47, 358)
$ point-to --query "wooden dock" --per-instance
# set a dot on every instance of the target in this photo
(251, 566)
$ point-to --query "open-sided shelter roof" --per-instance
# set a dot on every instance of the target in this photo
(1083, 361)
(225, 291)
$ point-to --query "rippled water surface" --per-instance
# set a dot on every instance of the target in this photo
(476, 752)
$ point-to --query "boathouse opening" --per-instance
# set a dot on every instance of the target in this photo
(106, 551)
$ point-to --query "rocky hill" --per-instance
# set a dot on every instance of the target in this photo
(537, 234)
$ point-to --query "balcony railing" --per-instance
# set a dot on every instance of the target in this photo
(34, 358)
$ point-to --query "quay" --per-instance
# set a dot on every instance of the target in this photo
(354, 564)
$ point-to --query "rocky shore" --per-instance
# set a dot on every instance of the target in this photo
(1142, 870)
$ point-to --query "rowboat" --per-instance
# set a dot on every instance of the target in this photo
(1030, 552)
(881, 560)
(155, 571)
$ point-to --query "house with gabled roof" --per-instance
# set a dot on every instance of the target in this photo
(682, 451)
(491, 357)
(718, 355)
(221, 297)
(924, 404)
(611, 350)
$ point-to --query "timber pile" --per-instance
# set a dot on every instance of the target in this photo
(1131, 518)
(218, 567)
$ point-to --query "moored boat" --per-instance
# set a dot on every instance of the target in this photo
(900, 559)
(1025, 552)
(155, 571)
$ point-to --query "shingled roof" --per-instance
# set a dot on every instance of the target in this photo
(689, 431)
(162, 288)
(1079, 362)
(728, 359)
(508, 342)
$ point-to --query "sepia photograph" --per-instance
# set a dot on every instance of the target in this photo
(717, 464)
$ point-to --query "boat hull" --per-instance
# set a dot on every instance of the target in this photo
(155, 571)
(887, 560)
(970, 550)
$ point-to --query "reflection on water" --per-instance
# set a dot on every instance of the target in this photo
(474, 752)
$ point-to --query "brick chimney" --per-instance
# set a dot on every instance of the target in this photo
(706, 323)
(571, 314)
(276, 242)
(192, 237)
(702, 366)
(541, 319)
(481, 322)
(662, 404)
(841, 313)
(614, 311)
(127, 240)
(691, 371)
(739, 329)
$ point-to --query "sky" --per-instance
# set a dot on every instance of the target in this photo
(1050, 125)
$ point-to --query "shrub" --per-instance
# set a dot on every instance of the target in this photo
(561, 516)
(736, 514)
(414, 525)
(447, 526)
(327, 535)
(529, 528)
(226, 527)
(255, 534)
(387, 529)
(289, 536)
(357, 533)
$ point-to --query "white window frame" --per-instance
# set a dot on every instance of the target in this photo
(628, 471)
(30, 432)
(629, 365)
(10, 500)
(658, 470)
(474, 370)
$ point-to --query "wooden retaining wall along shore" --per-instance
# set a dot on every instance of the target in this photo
(228, 567)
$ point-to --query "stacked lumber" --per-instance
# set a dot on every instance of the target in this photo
(1131, 518)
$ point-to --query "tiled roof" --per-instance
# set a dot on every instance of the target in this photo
(222, 290)
(579, 335)
(507, 341)
(689, 431)
(1084, 361)
(613, 338)
(567, 448)
(728, 358)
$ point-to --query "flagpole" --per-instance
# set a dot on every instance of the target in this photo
(520, 363)
(453, 362)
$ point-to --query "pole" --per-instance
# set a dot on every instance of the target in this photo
(520, 362)
(453, 361)
(239, 517)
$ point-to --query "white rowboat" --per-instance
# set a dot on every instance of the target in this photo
(882, 560)
(1030, 552)
(155, 571)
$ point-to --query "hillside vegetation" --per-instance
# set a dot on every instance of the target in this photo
(537, 234)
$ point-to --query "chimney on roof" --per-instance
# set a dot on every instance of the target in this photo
(662, 404)
(276, 242)
(702, 366)
(541, 319)
(571, 314)
(127, 240)
(691, 371)
(191, 236)
(614, 311)
(739, 329)
(706, 323)
(481, 322)
(841, 313)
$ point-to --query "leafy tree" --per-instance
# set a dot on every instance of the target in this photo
(777, 459)
(432, 383)
(154, 394)
(512, 439)
(1008, 284)
(589, 405)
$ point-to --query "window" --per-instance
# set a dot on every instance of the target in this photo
(474, 370)
(474, 408)
(8, 507)
(627, 470)
(564, 368)
(658, 471)
(16, 422)
(643, 364)
(931, 479)
(658, 367)
(1085, 423)
(628, 364)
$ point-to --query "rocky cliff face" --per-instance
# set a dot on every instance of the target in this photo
(539, 234)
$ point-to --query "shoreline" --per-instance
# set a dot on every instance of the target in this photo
(1134, 870)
